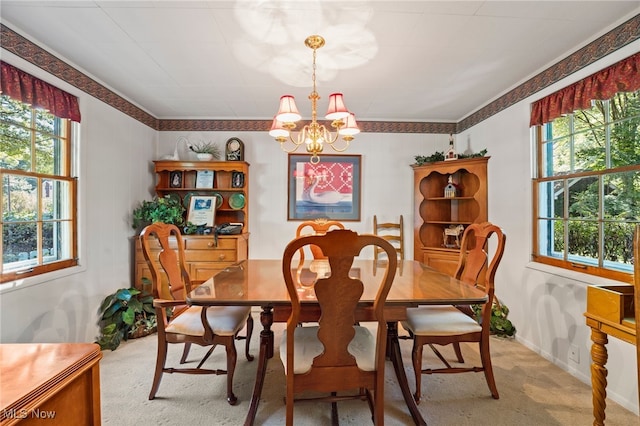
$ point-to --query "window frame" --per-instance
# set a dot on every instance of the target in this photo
(67, 138)
(539, 178)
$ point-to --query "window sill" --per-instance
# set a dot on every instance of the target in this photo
(586, 279)
(40, 279)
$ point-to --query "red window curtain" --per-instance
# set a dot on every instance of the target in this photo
(623, 76)
(30, 90)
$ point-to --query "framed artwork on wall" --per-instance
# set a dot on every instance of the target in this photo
(330, 189)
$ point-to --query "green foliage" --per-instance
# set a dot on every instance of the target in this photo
(439, 156)
(165, 209)
(500, 325)
(122, 314)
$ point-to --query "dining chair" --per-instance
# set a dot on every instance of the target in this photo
(163, 250)
(335, 355)
(443, 325)
(392, 232)
(318, 227)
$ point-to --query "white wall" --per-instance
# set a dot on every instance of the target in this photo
(547, 304)
(114, 176)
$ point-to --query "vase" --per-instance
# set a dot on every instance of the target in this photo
(203, 156)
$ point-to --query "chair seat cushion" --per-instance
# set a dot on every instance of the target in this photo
(224, 320)
(307, 346)
(439, 321)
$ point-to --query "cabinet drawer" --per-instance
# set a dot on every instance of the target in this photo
(204, 271)
(210, 256)
(210, 243)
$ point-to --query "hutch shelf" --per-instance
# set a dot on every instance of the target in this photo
(448, 196)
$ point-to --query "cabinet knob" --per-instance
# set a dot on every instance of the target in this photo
(221, 257)
(211, 245)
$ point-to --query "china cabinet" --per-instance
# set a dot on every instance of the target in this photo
(228, 183)
(448, 196)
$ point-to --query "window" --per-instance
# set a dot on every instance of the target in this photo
(38, 197)
(587, 188)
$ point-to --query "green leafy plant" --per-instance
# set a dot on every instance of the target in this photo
(127, 313)
(206, 148)
(439, 156)
(500, 325)
(165, 209)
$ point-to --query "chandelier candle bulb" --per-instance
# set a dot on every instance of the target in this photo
(313, 135)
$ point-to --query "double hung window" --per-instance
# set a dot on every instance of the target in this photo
(587, 187)
(38, 197)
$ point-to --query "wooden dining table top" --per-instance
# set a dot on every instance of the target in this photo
(259, 282)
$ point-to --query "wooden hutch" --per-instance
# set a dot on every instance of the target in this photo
(448, 196)
(229, 183)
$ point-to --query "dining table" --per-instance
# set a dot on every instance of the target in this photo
(259, 282)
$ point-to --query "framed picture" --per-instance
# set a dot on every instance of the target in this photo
(329, 189)
(237, 180)
(202, 210)
(204, 178)
(175, 179)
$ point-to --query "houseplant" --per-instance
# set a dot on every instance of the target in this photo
(206, 150)
(165, 209)
(127, 313)
(500, 325)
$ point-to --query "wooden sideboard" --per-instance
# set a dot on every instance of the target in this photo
(610, 312)
(50, 383)
(205, 255)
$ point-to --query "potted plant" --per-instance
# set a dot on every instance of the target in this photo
(127, 313)
(165, 209)
(206, 150)
(500, 325)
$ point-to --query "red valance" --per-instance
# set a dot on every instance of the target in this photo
(31, 90)
(623, 76)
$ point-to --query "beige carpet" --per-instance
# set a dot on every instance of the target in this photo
(532, 392)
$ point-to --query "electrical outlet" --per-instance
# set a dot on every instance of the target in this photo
(574, 353)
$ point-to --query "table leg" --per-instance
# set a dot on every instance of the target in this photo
(599, 375)
(266, 352)
(393, 349)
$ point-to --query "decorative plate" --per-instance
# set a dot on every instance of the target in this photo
(236, 201)
(187, 198)
(219, 199)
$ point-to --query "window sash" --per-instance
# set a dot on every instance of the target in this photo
(54, 197)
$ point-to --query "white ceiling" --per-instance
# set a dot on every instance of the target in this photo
(434, 61)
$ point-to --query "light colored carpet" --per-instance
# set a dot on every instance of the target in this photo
(532, 391)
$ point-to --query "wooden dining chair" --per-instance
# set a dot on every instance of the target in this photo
(392, 232)
(163, 250)
(443, 325)
(336, 355)
(317, 227)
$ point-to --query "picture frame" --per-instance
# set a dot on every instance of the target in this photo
(329, 189)
(202, 210)
(237, 180)
(204, 178)
(175, 179)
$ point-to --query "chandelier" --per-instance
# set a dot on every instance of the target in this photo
(313, 135)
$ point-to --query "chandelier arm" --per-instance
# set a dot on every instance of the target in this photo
(346, 145)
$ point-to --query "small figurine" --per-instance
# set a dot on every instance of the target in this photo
(451, 190)
(451, 236)
(451, 153)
